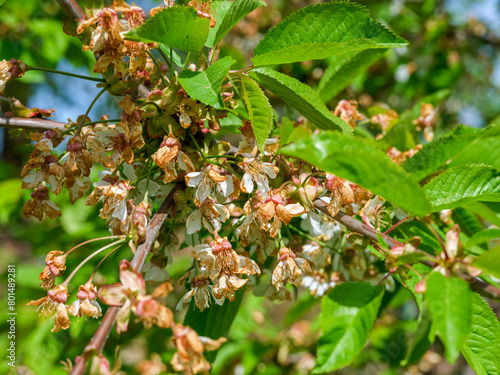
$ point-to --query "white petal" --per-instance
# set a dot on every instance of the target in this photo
(314, 221)
(247, 183)
(193, 223)
(269, 170)
(121, 212)
(102, 174)
(33, 179)
(129, 172)
(194, 178)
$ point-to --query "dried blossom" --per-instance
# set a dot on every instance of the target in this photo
(55, 266)
(289, 269)
(190, 348)
(86, 303)
(40, 206)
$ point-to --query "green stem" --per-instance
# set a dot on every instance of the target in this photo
(197, 145)
(90, 108)
(165, 57)
(186, 63)
(172, 62)
(95, 79)
(157, 68)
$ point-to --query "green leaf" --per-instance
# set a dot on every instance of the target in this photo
(220, 9)
(482, 237)
(176, 59)
(177, 26)
(483, 210)
(489, 261)
(344, 69)
(348, 314)
(205, 86)
(286, 128)
(301, 97)
(449, 302)
(233, 15)
(436, 153)
(422, 340)
(323, 30)
(482, 347)
(360, 161)
(485, 149)
(257, 104)
(463, 184)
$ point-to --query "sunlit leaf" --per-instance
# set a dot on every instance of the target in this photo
(323, 30)
(177, 26)
(301, 97)
(449, 302)
(257, 104)
(463, 184)
(482, 347)
(349, 312)
(360, 161)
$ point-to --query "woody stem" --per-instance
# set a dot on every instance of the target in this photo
(100, 336)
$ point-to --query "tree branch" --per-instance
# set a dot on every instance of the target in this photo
(72, 9)
(100, 336)
(354, 225)
(31, 123)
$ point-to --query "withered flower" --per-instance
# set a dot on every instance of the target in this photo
(40, 205)
(190, 348)
(86, 303)
(55, 266)
(290, 269)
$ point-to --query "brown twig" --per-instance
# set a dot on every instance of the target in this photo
(31, 123)
(100, 336)
(357, 226)
(72, 9)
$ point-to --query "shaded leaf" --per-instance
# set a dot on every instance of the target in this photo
(323, 30)
(301, 97)
(344, 69)
(348, 314)
(230, 17)
(483, 237)
(449, 302)
(463, 184)
(347, 156)
(489, 261)
(436, 153)
(485, 149)
(177, 26)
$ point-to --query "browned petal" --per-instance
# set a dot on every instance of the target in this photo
(284, 215)
(164, 317)
(38, 302)
(216, 176)
(50, 209)
(62, 318)
(194, 342)
(267, 210)
(162, 290)
(165, 155)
